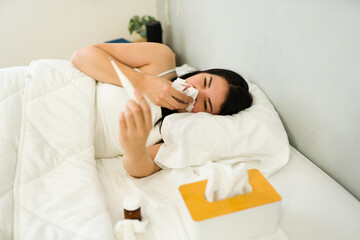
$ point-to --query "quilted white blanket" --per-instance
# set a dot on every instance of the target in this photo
(49, 184)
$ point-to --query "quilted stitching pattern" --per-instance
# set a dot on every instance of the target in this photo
(12, 82)
(57, 194)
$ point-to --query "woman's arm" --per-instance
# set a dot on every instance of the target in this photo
(134, 127)
(145, 166)
(150, 58)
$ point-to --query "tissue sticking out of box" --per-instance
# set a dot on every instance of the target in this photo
(225, 181)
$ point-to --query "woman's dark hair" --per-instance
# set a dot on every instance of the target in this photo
(237, 99)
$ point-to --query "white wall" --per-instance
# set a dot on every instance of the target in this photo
(36, 29)
(304, 54)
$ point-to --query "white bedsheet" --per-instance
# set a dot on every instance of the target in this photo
(313, 205)
(49, 183)
(159, 196)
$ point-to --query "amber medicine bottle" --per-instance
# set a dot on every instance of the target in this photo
(132, 208)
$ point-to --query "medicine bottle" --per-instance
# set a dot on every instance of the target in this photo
(132, 208)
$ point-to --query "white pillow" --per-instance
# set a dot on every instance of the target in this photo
(255, 136)
(184, 69)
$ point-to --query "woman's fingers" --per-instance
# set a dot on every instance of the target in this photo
(122, 123)
(130, 116)
(173, 99)
(133, 130)
(138, 115)
(177, 103)
(181, 97)
(146, 111)
(160, 92)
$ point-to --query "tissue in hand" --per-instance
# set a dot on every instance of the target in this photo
(180, 85)
(225, 181)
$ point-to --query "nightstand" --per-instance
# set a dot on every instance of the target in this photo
(119, 40)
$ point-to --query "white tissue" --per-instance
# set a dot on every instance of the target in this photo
(126, 229)
(180, 84)
(225, 181)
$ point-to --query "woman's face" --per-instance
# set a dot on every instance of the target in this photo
(212, 89)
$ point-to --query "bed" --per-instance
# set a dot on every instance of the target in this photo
(310, 206)
(52, 187)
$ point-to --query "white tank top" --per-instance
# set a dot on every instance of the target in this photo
(110, 101)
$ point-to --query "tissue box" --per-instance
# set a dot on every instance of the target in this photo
(239, 217)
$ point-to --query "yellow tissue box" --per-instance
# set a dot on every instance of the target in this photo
(240, 217)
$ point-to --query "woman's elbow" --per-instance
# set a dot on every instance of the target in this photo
(136, 174)
(80, 55)
(75, 58)
(139, 170)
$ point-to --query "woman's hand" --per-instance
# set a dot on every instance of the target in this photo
(135, 125)
(160, 92)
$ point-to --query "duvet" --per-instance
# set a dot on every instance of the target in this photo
(49, 188)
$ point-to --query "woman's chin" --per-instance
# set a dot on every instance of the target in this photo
(182, 111)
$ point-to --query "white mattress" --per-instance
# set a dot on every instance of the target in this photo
(314, 206)
(52, 169)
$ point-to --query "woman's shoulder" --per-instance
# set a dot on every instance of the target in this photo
(162, 63)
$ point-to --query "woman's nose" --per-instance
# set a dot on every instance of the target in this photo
(202, 92)
(201, 96)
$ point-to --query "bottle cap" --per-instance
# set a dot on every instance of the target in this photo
(131, 203)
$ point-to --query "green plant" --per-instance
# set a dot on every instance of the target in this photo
(138, 24)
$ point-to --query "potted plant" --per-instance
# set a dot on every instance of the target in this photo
(138, 25)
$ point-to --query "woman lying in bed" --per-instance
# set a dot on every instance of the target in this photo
(151, 68)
